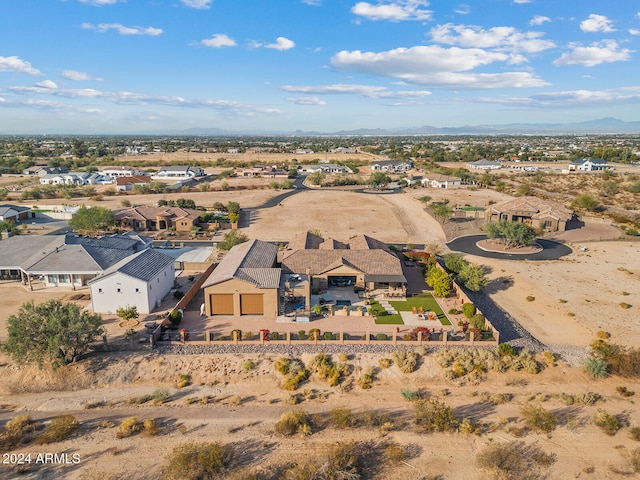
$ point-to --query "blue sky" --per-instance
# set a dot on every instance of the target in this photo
(118, 66)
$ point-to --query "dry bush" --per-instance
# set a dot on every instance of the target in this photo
(405, 360)
(341, 418)
(395, 453)
(293, 422)
(128, 427)
(514, 461)
(384, 362)
(609, 424)
(434, 416)
(184, 380)
(150, 428)
(196, 461)
(17, 431)
(634, 433)
(538, 418)
(59, 429)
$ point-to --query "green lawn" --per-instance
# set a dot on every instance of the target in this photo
(392, 319)
(426, 301)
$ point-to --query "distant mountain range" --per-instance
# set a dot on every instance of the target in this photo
(600, 126)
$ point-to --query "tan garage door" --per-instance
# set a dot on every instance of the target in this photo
(222, 304)
(251, 304)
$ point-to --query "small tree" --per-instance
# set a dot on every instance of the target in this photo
(584, 202)
(379, 180)
(440, 281)
(442, 211)
(52, 331)
(472, 276)
(92, 219)
(316, 178)
(231, 239)
(127, 313)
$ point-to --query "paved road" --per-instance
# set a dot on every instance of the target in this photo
(550, 250)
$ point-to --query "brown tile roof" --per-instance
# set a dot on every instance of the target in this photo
(134, 180)
(536, 207)
(371, 262)
(151, 213)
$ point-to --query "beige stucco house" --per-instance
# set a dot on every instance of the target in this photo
(534, 211)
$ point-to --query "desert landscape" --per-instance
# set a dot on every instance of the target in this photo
(237, 398)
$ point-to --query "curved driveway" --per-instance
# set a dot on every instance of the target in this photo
(550, 250)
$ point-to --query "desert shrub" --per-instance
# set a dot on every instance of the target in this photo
(248, 365)
(434, 416)
(150, 428)
(395, 453)
(184, 380)
(469, 427)
(365, 381)
(549, 358)
(634, 433)
(341, 418)
(609, 424)
(530, 298)
(328, 335)
(405, 360)
(384, 362)
(17, 431)
(178, 294)
(468, 310)
(588, 398)
(453, 311)
(59, 429)
(274, 336)
(314, 334)
(343, 357)
(381, 336)
(293, 422)
(498, 398)
(302, 335)
(282, 365)
(505, 349)
(538, 418)
(196, 461)
(339, 461)
(409, 394)
(128, 427)
(596, 367)
(175, 317)
(159, 395)
(514, 461)
(624, 391)
(322, 366)
(293, 399)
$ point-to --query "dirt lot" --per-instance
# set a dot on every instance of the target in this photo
(242, 408)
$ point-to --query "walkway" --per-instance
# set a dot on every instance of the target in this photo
(550, 250)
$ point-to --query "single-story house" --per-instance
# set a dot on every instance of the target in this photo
(75, 178)
(256, 278)
(63, 260)
(392, 166)
(246, 282)
(484, 165)
(178, 171)
(13, 213)
(262, 171)
(534, 211)
(331, 168)
(141, 280)
(116, 172)
(437, 180)
(126, 184)
(588, 165)
(157, 218)
(41, 170)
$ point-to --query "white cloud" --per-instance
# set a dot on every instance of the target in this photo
(99, 3)
(436, 66)
(307, 101)
(606, 51)
(597, 23)
(501, 38)
(198, 4)
(634, 31)
(47, 84)
(368, 91)
(281, 43)
(395, 11)
(78, 76)
(313, 3)
(462, 9)
(623, 95)
(15, 64)
(522, 1)
(219, 40)
(122, 30)
(539, 20)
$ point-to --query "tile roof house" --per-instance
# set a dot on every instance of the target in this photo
(256, 278)
(393, 166)
(246, 282)
(437, 180)
(126, 183)
(534, 211)
(140, 280)
(157, 218)
(63, 260)
(179, 171)
(484, 165)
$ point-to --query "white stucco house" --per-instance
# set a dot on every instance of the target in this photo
(588, 165)
(437, 180)
(484, 165)
(178, 172)
(116, 172)
(75, 178)
(141, 281)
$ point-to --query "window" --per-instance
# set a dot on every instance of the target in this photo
(118, 290)
(100, 290)
(137, 290)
